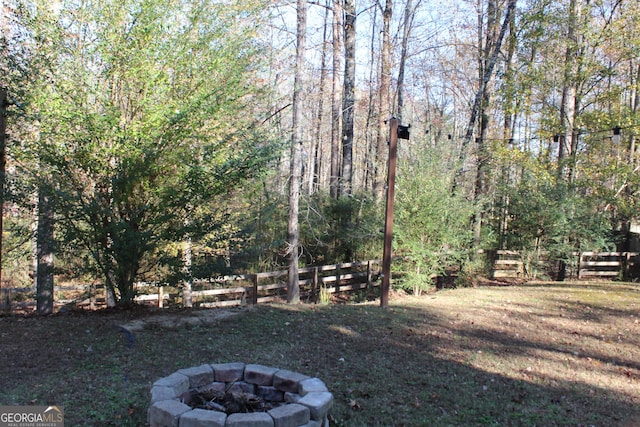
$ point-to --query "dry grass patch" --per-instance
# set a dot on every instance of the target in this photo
(537, 354)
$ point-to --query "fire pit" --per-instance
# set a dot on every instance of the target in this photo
(238, 395)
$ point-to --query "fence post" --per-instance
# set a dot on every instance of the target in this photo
(314, 288)
(92, 296)
(254, 299)
(580, 255)
(160, 296)
(369, 278)
(626, 261)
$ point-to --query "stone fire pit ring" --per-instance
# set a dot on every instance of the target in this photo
(298, 400)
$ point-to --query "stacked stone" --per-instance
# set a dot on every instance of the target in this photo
(305, 401)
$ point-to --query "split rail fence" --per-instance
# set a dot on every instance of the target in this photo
(318, 282)
(583, 266)
(608, 264)
(315, 283)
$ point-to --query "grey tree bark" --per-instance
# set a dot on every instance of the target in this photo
(44, 271)
(293, 234)
(384, 102)
(336, 99)
(487, 74)
(568, 141)
(316, 162)
(348, 100)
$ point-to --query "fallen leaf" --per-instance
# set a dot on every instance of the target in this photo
(518, 399)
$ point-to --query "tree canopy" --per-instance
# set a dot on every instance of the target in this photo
(149, 125)
(144, 119)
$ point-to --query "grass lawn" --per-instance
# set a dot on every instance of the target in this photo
(539, 354)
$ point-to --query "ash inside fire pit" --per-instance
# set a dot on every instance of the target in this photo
(229, 402)
(234, 394)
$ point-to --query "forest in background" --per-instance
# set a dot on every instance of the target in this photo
(158, 140)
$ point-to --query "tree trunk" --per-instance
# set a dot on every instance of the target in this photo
(348, 100)
(384, 104)
(334, 178)
(371, 121)
(480, 93)
(409, 13)
(509, 103)
(636, 103)
(4, 102)
(507, 126)
(44, 273)
(187, 260)
(568, 141)
(485, 48)
(314, 181)
(293, 290)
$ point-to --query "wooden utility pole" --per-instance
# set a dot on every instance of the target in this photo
(388, 214)
(395, 131)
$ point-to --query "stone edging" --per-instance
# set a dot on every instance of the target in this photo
(306, 400)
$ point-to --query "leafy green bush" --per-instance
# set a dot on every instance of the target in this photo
(432, 224)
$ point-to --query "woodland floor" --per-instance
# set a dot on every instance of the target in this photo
(536, 354)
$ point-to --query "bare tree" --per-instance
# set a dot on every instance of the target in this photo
(371, 119)
(4, 101)
(293, 234)
(384, 103)
(407, 25)
(568, 140)
(487, 67)
(334, 180)
(348, 100)
(316, 161)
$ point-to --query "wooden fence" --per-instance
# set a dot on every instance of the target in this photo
(271, 286)
(584, 265)
(228, 290)
(608, 265)
(507, 264)
(327, 280)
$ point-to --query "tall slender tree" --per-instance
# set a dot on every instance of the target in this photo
(569, 103)
(348, 100)
(384, 101)
(487, 63)
(316, 162)
(336, 98)
(293, 233)
(45, 251)
(407, 27)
